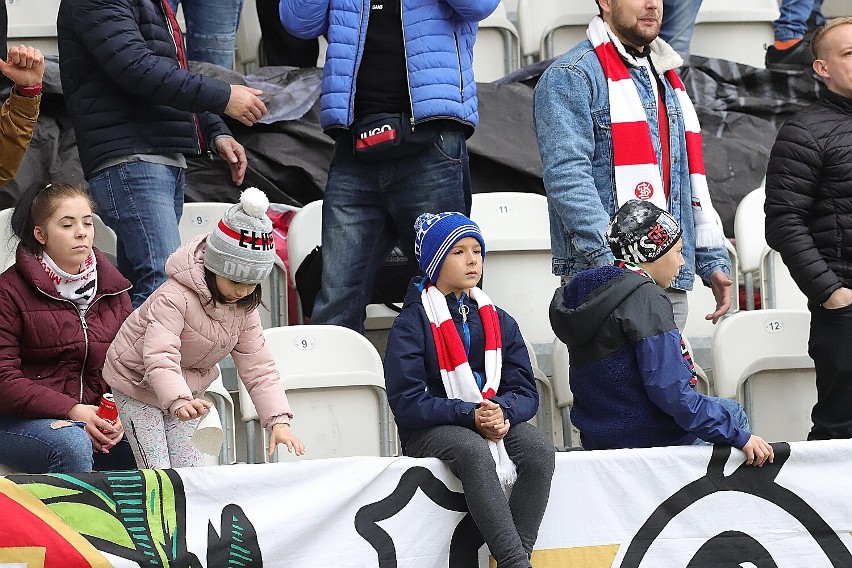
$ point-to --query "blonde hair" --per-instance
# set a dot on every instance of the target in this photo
(819, 34)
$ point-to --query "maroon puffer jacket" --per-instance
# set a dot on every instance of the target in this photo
(50, 360)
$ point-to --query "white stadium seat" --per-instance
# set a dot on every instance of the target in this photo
(517, 272)
(760, 358)
(735, 30)
(496, 52)
(335, 385)
(756, 259)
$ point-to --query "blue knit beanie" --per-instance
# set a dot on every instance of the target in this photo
(435, 235)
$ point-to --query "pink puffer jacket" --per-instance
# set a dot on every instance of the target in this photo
(166, 351)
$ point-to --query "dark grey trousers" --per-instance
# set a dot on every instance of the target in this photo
(509, 528)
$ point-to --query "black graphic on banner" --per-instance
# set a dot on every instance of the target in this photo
(466, 539)
(759, 482)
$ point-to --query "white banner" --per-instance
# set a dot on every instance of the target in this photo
(691, 507)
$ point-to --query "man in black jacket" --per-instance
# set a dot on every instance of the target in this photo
(137, 111)
(809, 221)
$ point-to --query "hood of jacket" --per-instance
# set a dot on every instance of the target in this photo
(580, 307)
(186, 265)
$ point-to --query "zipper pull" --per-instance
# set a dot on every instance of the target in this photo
(463, 310)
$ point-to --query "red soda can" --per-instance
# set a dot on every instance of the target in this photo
(107, 409)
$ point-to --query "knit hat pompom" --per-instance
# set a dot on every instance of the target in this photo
(641, 232)
(254, 202)
(241, 248)
(436, 234)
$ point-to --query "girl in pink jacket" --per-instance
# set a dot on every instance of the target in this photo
(164, 356)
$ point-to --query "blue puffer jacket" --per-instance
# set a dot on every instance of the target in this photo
(416, 392)
(123, 87)
(439, 37)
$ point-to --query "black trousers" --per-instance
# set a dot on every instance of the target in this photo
(829, 347)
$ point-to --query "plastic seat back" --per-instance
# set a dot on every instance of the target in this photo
(496, 52)
(335, 385)
(517, 275)
(761, 358)
(735, 30)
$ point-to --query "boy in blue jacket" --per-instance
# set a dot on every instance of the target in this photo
(629, 374)
(461, 387)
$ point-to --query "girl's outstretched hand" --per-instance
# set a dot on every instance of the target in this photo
(193, 409)
(281, 434)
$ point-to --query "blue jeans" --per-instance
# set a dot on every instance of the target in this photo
(211, 29)
(737, 413)
(679, 22)
(32, 446)
(793, 22)
(142, 202)
(369, 207)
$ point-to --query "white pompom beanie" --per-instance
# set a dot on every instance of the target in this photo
(241, 247)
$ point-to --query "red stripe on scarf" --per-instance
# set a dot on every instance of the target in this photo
(640, 151)
(454, 353)
(440, 348)
(491, 326)
(610, 60)
(695, 153)
(674, 80)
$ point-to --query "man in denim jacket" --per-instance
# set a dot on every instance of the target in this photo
(574, 129)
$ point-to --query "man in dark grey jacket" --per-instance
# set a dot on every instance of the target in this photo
(809, 221)
(137, 111)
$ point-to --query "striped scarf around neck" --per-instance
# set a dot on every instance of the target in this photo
(637, 173)
(456, 374)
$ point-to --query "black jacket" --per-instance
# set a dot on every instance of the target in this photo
(123, 86)
(809, 196)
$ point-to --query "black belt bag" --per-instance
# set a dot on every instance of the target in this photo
(385, 136)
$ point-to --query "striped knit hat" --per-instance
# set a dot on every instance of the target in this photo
(241, 247)
(435, 235)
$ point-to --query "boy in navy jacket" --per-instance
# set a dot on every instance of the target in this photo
(461, 388)
(631, 381)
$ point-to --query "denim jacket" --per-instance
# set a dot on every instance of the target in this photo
(573, 127)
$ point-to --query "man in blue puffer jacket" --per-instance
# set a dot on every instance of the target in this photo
(137, 111)
(399, 98)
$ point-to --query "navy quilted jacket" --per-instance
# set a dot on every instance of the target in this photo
(416, 392)
(123, 86)
(628, 376)
(439, 37)
(50, 361)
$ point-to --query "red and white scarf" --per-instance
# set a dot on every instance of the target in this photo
(456, 373)
(637, 173)
(80, 288)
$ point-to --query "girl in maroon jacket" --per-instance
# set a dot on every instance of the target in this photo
(61, 304)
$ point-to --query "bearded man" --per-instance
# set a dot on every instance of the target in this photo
(614, 123)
